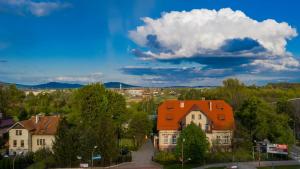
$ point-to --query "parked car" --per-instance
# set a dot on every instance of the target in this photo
(233, 167)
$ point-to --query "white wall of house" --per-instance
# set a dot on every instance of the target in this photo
(167, 139)
(42, 141)
(18, 136)
(197, 118)
(221, 137)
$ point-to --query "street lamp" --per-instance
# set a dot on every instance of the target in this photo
(79, 158)
(93, 155)
(21, 152)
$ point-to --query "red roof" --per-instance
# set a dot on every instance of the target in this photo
(171, 112)
(46, 125)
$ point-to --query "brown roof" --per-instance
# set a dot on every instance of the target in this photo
(170, 113)
(46, 125)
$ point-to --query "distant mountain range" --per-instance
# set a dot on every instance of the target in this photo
(59, 85)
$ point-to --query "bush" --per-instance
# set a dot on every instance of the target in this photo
(165, 157)
(223, 157)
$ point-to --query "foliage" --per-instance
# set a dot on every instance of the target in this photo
(139, 127)
(194, 142)
(66, 145)
(262, 122)
(147, 105)
(21, 162)
(165, 157)
(127, 144)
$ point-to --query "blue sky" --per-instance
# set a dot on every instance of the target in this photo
(89, 41)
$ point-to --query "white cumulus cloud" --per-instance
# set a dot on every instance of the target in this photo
(216, 33)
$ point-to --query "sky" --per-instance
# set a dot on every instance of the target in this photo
(149, 42)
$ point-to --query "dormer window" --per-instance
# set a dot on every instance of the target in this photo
(169, 117)
(221, 117)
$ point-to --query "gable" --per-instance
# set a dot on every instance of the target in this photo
(18, 126)
(172, 112)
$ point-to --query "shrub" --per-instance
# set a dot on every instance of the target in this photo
(165, 157)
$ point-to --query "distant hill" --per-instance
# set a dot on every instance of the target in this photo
(58, 85)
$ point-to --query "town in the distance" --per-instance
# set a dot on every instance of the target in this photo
(228, 126)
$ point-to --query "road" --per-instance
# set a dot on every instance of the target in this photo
(252, 165)
(142, 159)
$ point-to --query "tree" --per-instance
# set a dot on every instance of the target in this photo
(262, 122)
(284, 106)
(23, 115)
(233, 91)
(96, 118)
(195, 144)
(148, 106)
(66, 145)
(140, 126)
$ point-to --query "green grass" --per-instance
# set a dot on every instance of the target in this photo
(178, 166)
(282, 167)
(37, 165)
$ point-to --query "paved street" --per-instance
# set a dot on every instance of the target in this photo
(142, 158)
(252, 165)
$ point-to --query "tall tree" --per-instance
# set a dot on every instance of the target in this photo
(140, 126)
(66, 145)
(193, 142)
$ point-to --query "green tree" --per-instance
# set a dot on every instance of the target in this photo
(140, 126)
(66, 146)
(284, 106)
(194, 142)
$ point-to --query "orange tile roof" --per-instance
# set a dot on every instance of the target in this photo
(170, 113)
(46, 125)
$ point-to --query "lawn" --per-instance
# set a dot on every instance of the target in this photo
(282, 167)
(186, 166)
(178, 166)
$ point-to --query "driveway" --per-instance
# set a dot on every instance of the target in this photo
(142, 158)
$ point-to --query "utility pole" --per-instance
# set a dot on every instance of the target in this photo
(183, 140)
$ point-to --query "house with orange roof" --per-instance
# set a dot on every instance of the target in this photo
(32, 134)
(214, 117)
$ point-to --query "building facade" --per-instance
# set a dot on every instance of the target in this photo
(33, 134)
(214, 117)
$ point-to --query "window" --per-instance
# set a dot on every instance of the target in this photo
(174, 139)
(40, 142)
(22, 143)
(221, 117)
(18, 132)
(165, 139)
(199, 116)
(200, 125)
(193, 116)
(15, 143)
(206, 127)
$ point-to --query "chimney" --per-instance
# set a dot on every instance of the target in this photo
(181, 104)
(210, 106)
(37, 119)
